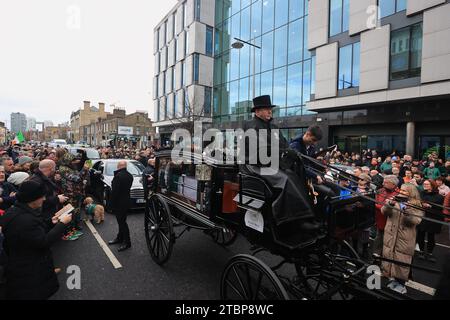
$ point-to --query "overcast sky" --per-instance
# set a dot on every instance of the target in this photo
(54, 54)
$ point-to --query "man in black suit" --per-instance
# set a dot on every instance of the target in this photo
(120, 203)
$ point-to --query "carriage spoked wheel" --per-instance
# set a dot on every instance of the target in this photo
(159, 230)
(223, 236)
(248, 278)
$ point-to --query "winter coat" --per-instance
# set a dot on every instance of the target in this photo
(71, 180)
(386, 167)
(399, 240)
(432, 173)
(30, 273)
(6, 189)
(120, 193)
(51, 203)
(381, 197)
(435, 212)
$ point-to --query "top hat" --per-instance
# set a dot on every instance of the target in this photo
(262, 102)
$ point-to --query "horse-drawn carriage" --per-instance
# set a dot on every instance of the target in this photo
(225, 200)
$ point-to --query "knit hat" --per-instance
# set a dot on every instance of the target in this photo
(24, 159)
(17, 178)
(30, 191)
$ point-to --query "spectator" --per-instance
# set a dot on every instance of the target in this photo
(30, 272)
(400, 235)
(377, 178)
(431, 172)
(53, 199)
(396, 172)
(8, 165)
(408, 176)
(24, 164)
(389, 191)
(7, 192)
(386, 166)
(17, 178)
(374, 164)
(442, 187)
(418, 181)
(429, 229)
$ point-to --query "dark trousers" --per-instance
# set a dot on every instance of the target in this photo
(124, 231)
(421, 241)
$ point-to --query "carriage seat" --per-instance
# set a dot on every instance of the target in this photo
(253, 185)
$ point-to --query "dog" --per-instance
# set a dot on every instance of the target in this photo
(94, 211)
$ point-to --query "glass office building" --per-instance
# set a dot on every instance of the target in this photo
(281, 66)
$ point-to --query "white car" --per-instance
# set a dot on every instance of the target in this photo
(58, 143)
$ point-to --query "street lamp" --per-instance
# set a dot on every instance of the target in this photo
(239, 44)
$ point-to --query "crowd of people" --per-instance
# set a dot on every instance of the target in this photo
(36, 183)
(411, 196)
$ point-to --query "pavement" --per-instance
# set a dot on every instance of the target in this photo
(192, 273)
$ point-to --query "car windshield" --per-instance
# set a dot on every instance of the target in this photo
(133, 167)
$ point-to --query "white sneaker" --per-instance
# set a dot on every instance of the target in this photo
(400, 288)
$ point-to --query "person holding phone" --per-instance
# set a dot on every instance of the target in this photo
(30, 272)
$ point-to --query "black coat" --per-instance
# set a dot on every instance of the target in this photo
(120, 194)
(30, 273)
(434, 212)
(51, 204)
(6, 189)
(146, 174)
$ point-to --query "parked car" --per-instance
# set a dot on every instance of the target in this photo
(102, 174)
(91, 153)
(58, 143)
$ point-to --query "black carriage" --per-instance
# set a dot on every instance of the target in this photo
(226, 200)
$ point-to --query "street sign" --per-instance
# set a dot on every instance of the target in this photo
(125, 130)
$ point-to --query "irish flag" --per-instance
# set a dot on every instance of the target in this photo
(19, 138)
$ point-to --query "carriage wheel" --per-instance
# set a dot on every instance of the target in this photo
(343, 248)
(159, 230)
(248, 278)
(224, 237)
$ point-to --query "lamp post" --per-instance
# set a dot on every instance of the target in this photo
(239, 44)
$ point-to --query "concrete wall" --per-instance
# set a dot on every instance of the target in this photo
(326, 71)
(360, 18)
(318, 23)
(436, 44)
(416, 6)
(375, 55)
(207, 12)
(206, 67)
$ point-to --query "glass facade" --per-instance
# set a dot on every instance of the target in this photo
(406, 52)
(279, 28)
(339, 16)
(349, 62)
(389, 7)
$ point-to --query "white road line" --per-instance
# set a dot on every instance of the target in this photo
(417, 286)
(104, 246)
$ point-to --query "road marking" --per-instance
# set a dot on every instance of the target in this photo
(104, 246)
(417, 286)
(421, 287)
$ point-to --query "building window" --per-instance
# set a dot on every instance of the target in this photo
(389, 7)
(167, 32)
(183, 73)
(174, 78)
(156, 87)
(169, 83)
(175, 105)
(406, 52)
(209, 41)
(339, 16)
(197, 10)
(186, 43)
(187, 109)
(208, 99)
(174, 24)
(164, 83)
(196, 62)
(349, 66)
(184, 15)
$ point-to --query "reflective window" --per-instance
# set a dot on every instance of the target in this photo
(234, 64)
(234, 96)
(267, 52)
(176, 109)
(183, 73)
(196, 62)
(245, 24)
(294, 90)
(268, 15)
(406, 52)
(256, 19)
(389, 7)
(296, 9)
(279, 88)
(295, 42)
(235, 27)
(281, 12)
(207, 104)
(244, 69)
(349, 66)
(245, 3)
(197, 10)
(306, 84)
(266, 83)
(339, 16)
(280, 47)
(243, 96)
(209, 41)
(235, 6)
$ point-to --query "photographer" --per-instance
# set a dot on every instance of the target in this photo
(400, 235)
